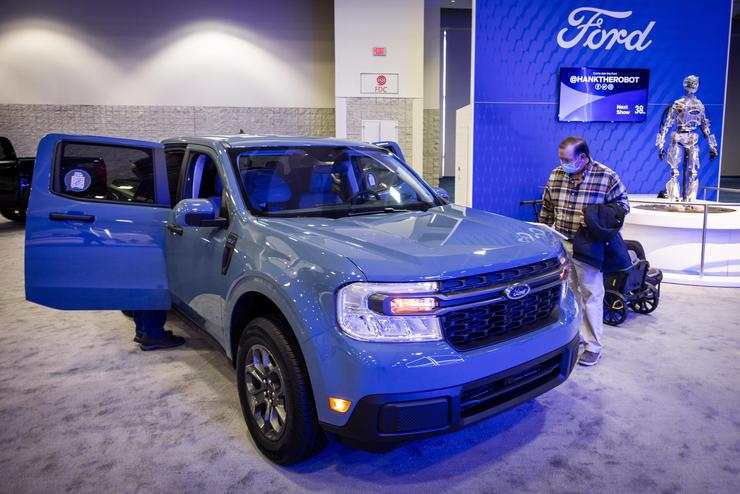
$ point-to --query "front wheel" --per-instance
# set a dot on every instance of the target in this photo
(615, 309)
(275, 393)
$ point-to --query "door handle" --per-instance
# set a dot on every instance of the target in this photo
(174, 229)
(228, 252)
(84, 218)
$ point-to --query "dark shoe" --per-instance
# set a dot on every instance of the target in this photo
(140, 336)
(169, 341)
(589, 358)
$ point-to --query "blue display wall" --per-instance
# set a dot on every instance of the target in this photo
(519, 48)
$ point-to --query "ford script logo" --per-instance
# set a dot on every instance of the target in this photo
(587, 25)
(530, 236)
(515, 292)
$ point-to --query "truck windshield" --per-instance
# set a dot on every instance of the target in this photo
(327, 181)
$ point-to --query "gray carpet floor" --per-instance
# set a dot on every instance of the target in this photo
(81, 409)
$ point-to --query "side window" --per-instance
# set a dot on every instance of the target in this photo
(105, 173)
(174, 165)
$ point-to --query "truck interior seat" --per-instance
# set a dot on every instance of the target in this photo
(344, 170)
(143, 170)
(321, 189)
(266, 189)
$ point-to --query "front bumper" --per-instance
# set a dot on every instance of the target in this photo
(389, 418)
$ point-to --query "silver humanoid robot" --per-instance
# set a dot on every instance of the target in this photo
(688, 113)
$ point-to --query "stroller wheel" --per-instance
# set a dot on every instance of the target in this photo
(648, 302)
(615, 309)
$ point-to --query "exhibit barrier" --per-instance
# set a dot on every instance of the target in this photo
(705, 216)
(695, 243)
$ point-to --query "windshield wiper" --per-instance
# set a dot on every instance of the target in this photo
(341, 210)
(386, 209)
(406, 208)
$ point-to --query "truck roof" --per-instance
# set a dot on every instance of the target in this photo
(247, 140)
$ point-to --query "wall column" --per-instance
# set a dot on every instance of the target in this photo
(359, 26)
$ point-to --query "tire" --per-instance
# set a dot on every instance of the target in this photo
(615, 309)
(17, 215)
(298, 435)
(648, 302)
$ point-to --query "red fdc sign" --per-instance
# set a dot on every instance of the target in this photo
(378, 83)
(379, 51)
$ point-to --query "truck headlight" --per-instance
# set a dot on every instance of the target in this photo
(566, 265)
(391, 312)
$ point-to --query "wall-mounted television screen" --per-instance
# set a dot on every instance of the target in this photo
(590, 94)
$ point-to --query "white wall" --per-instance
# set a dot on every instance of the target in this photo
(463, 146)
(228, 53)
(397, 25)
(360, 25)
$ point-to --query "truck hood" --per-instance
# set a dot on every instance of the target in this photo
(442, 242)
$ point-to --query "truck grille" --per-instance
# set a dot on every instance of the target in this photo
(486, 323)
(509, 275)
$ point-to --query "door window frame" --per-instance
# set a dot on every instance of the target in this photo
(170, 148)
(190, 151)
(154, 151)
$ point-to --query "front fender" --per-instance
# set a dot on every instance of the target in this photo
(303, 318)
(300, 278)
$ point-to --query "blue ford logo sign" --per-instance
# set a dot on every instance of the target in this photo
(515, 292)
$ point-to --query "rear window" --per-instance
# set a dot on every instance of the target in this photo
(105, 173)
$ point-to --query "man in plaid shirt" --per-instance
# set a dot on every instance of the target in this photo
(577, 182)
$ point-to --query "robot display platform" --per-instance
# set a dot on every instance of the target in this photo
(672, 240)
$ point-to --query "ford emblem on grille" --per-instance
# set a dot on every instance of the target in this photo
(515, 292)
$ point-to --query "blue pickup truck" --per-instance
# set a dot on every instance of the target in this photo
(351, 297)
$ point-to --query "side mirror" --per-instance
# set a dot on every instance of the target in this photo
(442, 193)
(198, 212)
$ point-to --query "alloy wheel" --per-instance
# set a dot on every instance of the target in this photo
(265, 392)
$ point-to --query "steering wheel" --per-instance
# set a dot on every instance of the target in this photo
(373, 191)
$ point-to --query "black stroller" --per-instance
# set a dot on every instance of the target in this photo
(636, 287)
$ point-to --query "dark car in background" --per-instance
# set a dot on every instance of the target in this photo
(15, 181)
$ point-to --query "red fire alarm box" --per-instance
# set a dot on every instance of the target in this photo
(378, 51)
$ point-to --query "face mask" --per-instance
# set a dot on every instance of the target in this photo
(570, 167)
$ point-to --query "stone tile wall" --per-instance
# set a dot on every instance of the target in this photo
(399, 109)
(432, 161)
(24, 125)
